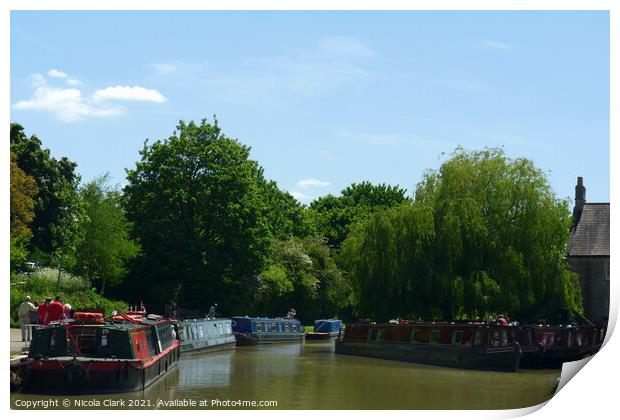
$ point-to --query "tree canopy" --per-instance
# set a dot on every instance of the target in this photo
(105, 249)
(23, 191)
(199, 223)
(485, 234)
(334, 216)
(196, 201)
(57, 190)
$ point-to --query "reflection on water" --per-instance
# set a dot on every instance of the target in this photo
(213, 371)
(312, 376)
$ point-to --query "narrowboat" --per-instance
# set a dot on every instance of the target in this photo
(89, 355)
(325, 329)
(252, 331)
(207, 334)
(561, 343)
(461, 345)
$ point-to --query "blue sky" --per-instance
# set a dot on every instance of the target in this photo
(323, 98)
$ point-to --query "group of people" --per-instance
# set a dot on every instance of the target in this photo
(291, 314)
(33, 313)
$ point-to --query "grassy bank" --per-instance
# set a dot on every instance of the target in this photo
(75, 291)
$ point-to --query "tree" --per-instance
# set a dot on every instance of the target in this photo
(196, 204)
(105, 249)
(57, 190)
(485, 234)
(334, 216)
(304, 276)
(23, 191)
(287, 217)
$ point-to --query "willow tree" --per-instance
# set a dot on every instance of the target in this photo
(497, 244)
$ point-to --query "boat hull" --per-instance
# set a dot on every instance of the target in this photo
(255, 339)
(464, 357)
(321, 336)
(191, 348)
(82, 376)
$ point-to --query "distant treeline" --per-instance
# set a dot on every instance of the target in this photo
(198, 223)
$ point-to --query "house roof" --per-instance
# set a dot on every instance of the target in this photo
(591, 235)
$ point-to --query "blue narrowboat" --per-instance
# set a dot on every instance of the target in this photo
(251, 331)
(325, 329)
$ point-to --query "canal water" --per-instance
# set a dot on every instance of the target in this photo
(311, 376)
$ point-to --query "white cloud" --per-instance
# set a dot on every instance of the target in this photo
(66, 104)
(57, 74)
(128, 93)
(487, 43)
(70, 104)
(344, 45)
(312, 183)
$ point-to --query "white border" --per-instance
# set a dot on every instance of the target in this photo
(591, 394)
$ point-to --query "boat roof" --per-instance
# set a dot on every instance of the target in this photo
(202, 320)
(256, 318)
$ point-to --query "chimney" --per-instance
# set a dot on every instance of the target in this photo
(580, 201)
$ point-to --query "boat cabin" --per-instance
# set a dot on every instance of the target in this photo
(327, 325)
(266, 325)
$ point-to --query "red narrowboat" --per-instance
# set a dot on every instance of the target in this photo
(562, 343)
(467, 345)
(88, 354)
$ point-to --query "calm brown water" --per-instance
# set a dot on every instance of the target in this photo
(312, 376)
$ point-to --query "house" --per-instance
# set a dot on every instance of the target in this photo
(588, 254)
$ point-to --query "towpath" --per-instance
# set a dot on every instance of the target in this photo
(16, 340)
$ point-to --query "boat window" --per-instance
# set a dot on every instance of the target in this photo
(201, 331)
(259, 327)
(548, 338)
(286, 327)
(434, 337)
(380, 335)
(457, 337)
(504, 338)
(478, 338)
(369, 335)
(415, 336)
(194, 332)
(266, 326)
(294, 328)
(495, 339)
(274, 326)
(150, 342)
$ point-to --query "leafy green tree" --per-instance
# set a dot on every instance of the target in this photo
(23, 191)
(196, 204)
(105, 248)
(57, 190)
(485, 234)
(333, 216)
(304, 276)
(287, 217)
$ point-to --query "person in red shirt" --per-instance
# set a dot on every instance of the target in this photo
(55, 311)
(42, 311)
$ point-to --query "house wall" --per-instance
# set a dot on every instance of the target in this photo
(594, 279)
